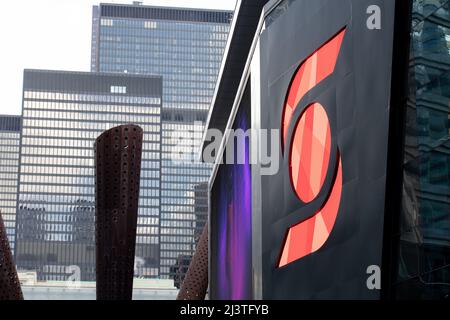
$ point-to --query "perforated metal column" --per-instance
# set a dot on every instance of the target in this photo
(118, 166)
(9, 281)
(195, 283)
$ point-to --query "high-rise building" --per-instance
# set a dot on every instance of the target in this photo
(200, 209)
(421, 262)
(63, 113)
(179, 269)
(9, 166)
(185, 47)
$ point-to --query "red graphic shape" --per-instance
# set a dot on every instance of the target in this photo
(313, 71)
(311, 234)
(310, 152)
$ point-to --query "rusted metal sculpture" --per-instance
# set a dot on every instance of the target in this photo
(118, 165)
(9, 281)
(195, 283)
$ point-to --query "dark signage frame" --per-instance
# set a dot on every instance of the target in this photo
(364, 99)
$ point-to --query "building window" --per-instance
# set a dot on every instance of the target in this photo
(150, 25)
(118, 89)
(106, 22)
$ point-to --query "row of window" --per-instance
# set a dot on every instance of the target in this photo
(176, 224)
(8, 162)
(182, 99)
(157, 62)
(66, 212)
(73, 180)
(144, 49)
(175, 186)
(9, 154)
(147, 145)
(146, 221)
(176, 231)
(71, 151)
(9, 145)
(186, 171)
(174, 255)
(9, 170)
(7, 185)
(77, 134)
(185, 200)
(179, 152)
(9, 137)
(43, 173)
(175, 37)
(194, 129)
(8, 206)
(62, 110)
(47, 160)
(9, 196)
(51, 170)
(53, 213)
(9, 225)
(181, 26)
(181, 139)
(178, 247)
(46, 189)
(131, 63)
(187, 26)
(147, 239)
(92, 98)
(95, 124)
(38, 201)
(188, 208)
(188, 166)
(189, 179)
(147, 230)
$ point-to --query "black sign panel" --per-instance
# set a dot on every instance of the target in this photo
(326, 70)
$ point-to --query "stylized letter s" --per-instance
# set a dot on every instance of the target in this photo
(309, 154)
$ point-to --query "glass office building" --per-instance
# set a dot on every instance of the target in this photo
(9, 167)
(423, 270)
(185, 47)
(63, 113)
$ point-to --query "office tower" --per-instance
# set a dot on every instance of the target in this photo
(185, 47)
(179, 269)
(421, 269)
(9, 167)
(63, 113)
(200, 209)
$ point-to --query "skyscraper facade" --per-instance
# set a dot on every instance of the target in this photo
(185, 47)
(63, 113)
(9, 166)
(422, 247)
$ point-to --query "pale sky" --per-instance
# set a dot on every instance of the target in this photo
(55, 35)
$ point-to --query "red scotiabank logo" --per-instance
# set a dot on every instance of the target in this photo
(309, 154)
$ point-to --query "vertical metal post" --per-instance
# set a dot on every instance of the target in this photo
(9, 281)
(117, 175)
(195, 284)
